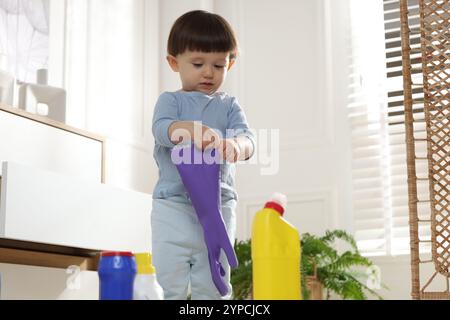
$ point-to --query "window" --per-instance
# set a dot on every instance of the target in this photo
(24, 33)
(380, 191)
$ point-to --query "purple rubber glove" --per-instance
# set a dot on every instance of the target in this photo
(200, 175)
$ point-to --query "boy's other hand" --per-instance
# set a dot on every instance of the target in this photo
(229, 150)
(203, 137)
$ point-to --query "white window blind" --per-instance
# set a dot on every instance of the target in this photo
(368, 119)
(380, 191)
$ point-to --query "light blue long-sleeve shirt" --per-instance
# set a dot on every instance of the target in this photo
(218, 111)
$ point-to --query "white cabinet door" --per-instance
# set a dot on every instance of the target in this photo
(48, 147)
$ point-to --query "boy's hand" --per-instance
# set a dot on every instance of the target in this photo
(229, 150)
(205, 137)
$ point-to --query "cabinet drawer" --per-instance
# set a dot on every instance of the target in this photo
(47, 207)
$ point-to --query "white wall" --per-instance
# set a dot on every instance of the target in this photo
(396, 275)
(30, 283)
(288, 56)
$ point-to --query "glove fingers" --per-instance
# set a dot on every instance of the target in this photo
(229, 252)
(216, 271)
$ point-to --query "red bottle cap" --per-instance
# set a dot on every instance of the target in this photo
(117, 253)
(275, 206)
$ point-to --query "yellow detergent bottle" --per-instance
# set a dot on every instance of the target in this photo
(275, 254)
(146, 286)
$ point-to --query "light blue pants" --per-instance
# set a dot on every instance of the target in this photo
(180, 255)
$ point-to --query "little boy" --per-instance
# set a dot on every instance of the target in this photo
(202, 48)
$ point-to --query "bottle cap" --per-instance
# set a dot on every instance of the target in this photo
(279, 198)
(278, 202)
(144, 263)
(116, 253)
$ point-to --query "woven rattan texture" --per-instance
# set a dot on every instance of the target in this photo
(435, 41)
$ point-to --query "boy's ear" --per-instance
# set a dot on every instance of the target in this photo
(173, 63)
(230, 64)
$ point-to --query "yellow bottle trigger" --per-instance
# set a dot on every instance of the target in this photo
(144, 263)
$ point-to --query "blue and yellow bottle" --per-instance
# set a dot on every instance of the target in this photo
(275, 254)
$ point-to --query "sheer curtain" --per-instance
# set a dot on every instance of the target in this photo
(110, 72)
(24, 34)
(104, 66)
(372, 202)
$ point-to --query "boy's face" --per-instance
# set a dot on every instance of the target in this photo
(201, 71)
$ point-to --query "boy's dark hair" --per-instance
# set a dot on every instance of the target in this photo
(201, 31)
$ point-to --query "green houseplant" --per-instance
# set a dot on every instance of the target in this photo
(241, 277)
(336, 272)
